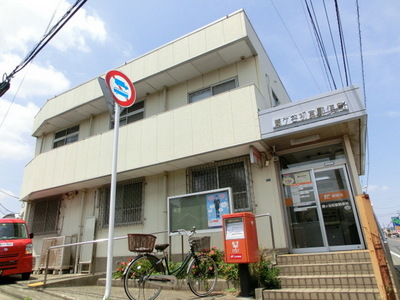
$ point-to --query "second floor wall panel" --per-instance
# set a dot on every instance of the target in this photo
(226, 120)
(226, 48)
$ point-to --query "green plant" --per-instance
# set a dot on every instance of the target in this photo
(229, 272)
(264, 273)
(119, 271)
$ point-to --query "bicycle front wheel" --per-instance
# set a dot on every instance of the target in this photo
(135, 280)
(202, 275)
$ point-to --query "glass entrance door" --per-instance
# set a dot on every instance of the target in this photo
(321, 210)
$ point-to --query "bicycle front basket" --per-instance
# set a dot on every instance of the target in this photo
(141, 242)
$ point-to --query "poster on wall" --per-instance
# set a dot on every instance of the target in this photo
(204, 210)
(217, 206)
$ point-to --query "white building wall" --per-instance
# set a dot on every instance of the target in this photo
(222, 121)
(172, 130)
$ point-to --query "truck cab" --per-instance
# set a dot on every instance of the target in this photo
(15, 248)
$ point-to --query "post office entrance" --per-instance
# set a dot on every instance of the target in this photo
(320, 207)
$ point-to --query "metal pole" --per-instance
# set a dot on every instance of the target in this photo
(110, 251)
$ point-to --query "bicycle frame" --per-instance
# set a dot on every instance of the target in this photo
(182, 267)
(196, 267)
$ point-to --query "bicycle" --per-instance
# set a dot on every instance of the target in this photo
(146, 275)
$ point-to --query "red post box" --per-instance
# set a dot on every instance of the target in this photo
(240, 238)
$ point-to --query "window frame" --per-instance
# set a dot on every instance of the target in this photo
(211, 90)
(51, 215)
(137, 218)
(235, 194)
(123, 117)
(67, 136)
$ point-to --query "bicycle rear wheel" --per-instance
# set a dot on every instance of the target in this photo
(202, 275)
(135, 279)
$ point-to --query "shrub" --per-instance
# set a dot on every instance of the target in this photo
(119, 271)
(262, 274)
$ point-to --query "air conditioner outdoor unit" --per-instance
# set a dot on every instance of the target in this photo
(59, 258)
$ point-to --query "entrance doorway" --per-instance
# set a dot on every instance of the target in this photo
(320, 208)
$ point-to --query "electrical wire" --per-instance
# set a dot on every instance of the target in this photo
(320, 43)
(9, 195)
(294, 43)
(2, 206)
(333, 43)
(343, 45)
(367, 171)
(13, 99)
(4, 86)
(361, 53)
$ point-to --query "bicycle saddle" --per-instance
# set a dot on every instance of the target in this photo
(161, 247)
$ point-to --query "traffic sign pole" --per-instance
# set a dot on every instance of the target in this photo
(124, 94)
(113, 192)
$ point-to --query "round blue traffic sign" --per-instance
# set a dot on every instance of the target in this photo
(121, 88)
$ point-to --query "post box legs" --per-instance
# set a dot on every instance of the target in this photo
(244, 277)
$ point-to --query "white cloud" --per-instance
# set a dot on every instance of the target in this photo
(42, 15)
(79, 29)
(15, 140)
(35, 80)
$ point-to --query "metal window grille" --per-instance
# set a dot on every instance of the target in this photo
(232, 173)
(44, 216)
(129, 201)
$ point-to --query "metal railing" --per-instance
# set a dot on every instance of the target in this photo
(125, 237)
(78, 244)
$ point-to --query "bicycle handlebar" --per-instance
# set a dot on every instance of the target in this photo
(184, 231)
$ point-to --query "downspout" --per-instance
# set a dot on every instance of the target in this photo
(165, 194)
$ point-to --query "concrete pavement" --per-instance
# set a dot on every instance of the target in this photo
(75, 286)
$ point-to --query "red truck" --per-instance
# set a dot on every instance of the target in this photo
(15, 248)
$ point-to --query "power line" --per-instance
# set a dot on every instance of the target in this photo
(5, 193)
(5, 85)
(342, 44)
(320, 43)
(297, 48)
(333, 43)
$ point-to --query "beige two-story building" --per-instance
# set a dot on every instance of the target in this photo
(212, 118)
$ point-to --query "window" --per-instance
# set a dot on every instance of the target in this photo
(129, 201)
(66, 136)
(213, 90)
(13, 231)
(44, 215)
(231, 173)
(130, 114)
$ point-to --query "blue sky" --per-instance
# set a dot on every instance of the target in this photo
(105, 34)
